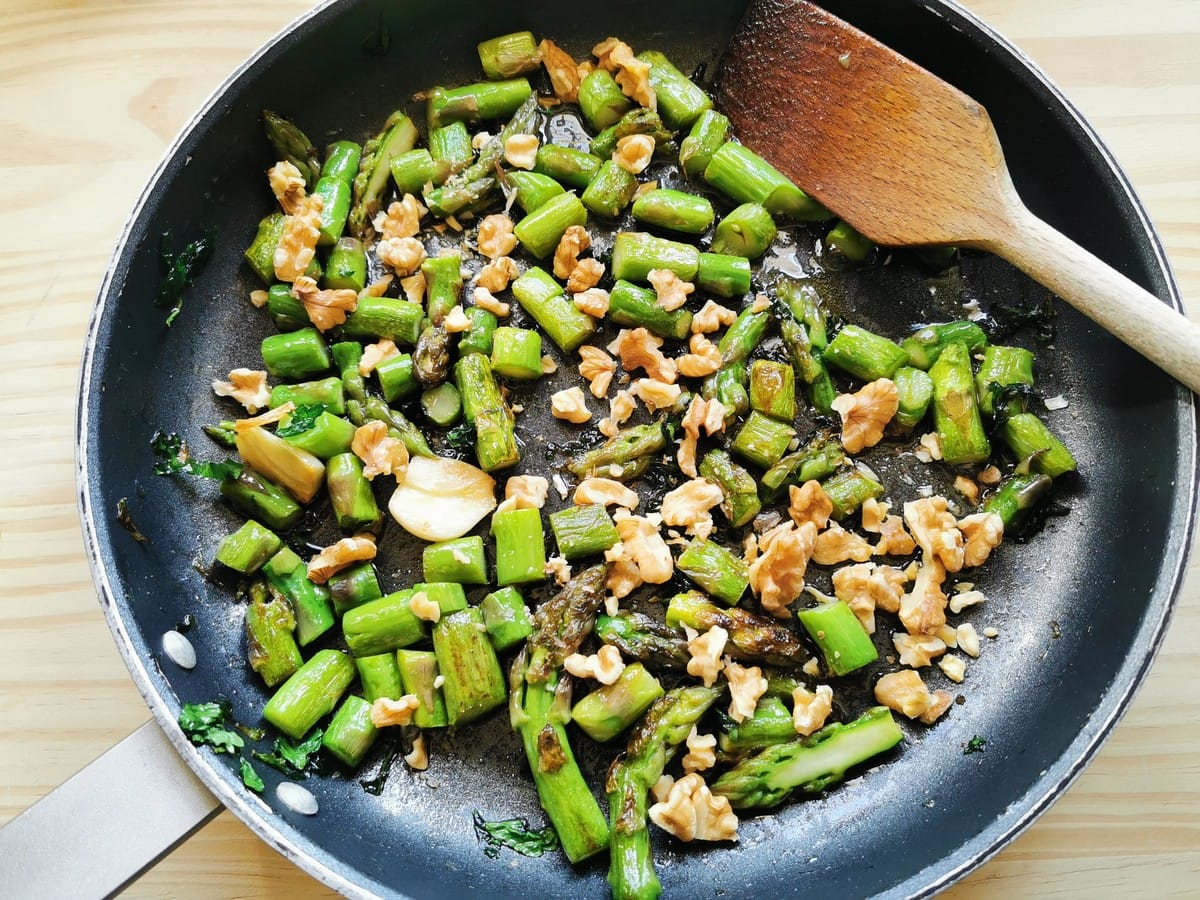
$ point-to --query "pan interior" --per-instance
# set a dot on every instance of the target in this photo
(1079, 610)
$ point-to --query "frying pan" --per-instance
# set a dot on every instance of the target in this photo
(1133, 430)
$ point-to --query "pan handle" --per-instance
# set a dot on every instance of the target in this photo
(106, 825)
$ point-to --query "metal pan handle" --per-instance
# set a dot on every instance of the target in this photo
(107, 824)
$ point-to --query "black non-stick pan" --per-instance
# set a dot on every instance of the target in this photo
(1080, 610)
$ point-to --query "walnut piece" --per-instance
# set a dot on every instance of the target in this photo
(258, 299)
(777, 575)
(335, 557)
(704, 358)
(836, 545)
(705, 651)
(632, 75)
(247, 386)
(712, 317)
(524, 492)
(701, 413)
(746, 685)
(688, 506)
(559, 569)
(570, 406)
(385, 712)
(402, 255)
(497, 274)
(402, 219)
(573, 242)
(904, 692)
(606, 492)
(325, 308)
(988, 475)
(373, 354)
(866, 587)
(381, 453)
(456, 320)
(298, 243)
(413, 287)
(917, 650)
(809, 503)
(620, 408)
(520, 151)
(935, 531)
(484, 300)
(954, 668)
(287, 184)
(623, 574)
(645, 546)
(424, 608)
(596, 367)
(496, 238)
(691, 812)
(565, 76)
(894, 540)
(968, 639)
(585, 276)
(418, 758)
(968, 488)
(866, 412)
(701, 753)
(656, 394)
(982, 533)
(605, 665)
(594, 302)
(270, 417)
(638, 349)
(634, 152)
(672, 292)
(923, 609)
(810, 709)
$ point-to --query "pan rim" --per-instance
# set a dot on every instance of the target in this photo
(274, 831)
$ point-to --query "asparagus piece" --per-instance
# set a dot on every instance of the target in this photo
(509, 55)
(817, 460)
(538, 710)
(382, 625)
(335, 207)
(351, 495)
(398, 136)
(260, 255)
(543, 298)
(286, 311)
(770, 724)
(636, 254)
(474, 102)
(533, 190)
(541, 230)
(640, 637)
(748, 178)
(292, 144)
(629, 444)
(354, 587)
(1028, 438)
(709, 132)
(751, 636)
(601, 100)
(583, 530)
(566, 165)
(636, 121)
(802, 326)
(398, 378)
(610, 709)
(385, 317)
(257, 497)
(741, 503)
(517, 353)
(654, 742)
(448, 595)
(850, 489)
(295, 355)
(839, 635)
(609, 191)
(506, 618)
(561, 623)
(398, 426)
(346, 357)
(955, 408)
(810, 764)
(725, 276)
(300, 474)
(380, 676)
(925, 345)
(341, 161)
(1017, 497)
(843, 239)
(451, 144)
(459, 560)
(443, 279)
(865, 355)
(346, 267)
(458, 194)
(478, 338)
(747, 230)
(483, 405)
(715, 570)
(311, 693)
(676, 211)
(413, 170)
(248, 548)
(680, 100)
(270, 646)
(1003, 367)
(728, 384)
(520, 546)
(286, 574)
(635, 307)
(915, 390)
(762, 440)
(351, 733)
(419, 673)
(773, 389)
(474, 684)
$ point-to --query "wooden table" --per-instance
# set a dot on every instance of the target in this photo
(91, 94)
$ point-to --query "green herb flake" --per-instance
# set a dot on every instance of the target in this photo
(461, 437)
(374, 786)
(515, 834)
(292, 759)
(181, 269)
(974, 745)
(250, 778)
(303, 419)
(205, 725)
(174, 458)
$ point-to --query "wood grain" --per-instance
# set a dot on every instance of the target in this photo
(90, 94)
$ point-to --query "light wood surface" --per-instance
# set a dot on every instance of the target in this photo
(91, 93)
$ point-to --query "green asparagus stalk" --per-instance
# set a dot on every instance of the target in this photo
(295, 355)
(517, 353)
(543, 298)
(676, 211)
(443, 285)
(413, 170)
(637, 121)
(260, 255)
(636, 307)
(346, 268)
(346, 357)
(479, 337)
(601, 100)
(541, 230)
(341, 161)
(380, 676)
(460, 560)
(709, 132)
(629, 444)
(335, 208)
(583, 530)
(762, 440)
(311, 693)
(351, 733)
(843, 239)
(1005, 367)
(353, 587)
(270, 646)
(748, 178)
(292, 144)
(741, 503)
(925, 345)
(1017, 497)
(248, 548)
(849, 490)
(680, 100)
(509, 55)
(398, 426)
(561, 623)
(773, 389)
(475, 102)
(566, 165)
(752, 637)
(448, 595)
(353, 501)
(259, 498)
(533, 190)
(1028, 438)
(383, 625)
(715, 570)
(839, 635)
(636, 255)
(610, 709)
(747, 230)
(770, 724)
(474, 683)
(810, 764)
(398, 377)
(419, 673)
(654, 742)
(956, 409)
(609, 191)
(286, 311)
(398, 136)
(729, 383)
(506, 618)
(864, 355)
(451, 144)
(287, 575)
(385, 317)
(915, 390)
(815, 461)
(458, 194)
(725, 276)
(640, 637)
(495, 441)
(520, 546)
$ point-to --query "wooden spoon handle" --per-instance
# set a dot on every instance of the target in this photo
(1133, 314)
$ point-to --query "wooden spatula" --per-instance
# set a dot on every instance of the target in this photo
(907, 159)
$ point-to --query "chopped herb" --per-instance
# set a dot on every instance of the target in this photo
(461, 437)
(302, 419)
(374, 786)
(974, 745)
(175, 457)
(126, 521)
(1003, 394)
(255, 734)
(292, 759)
(181, 268)
(515, 834)
(223, 433)
(1004, 320)
(205, 725)
(250, 778)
